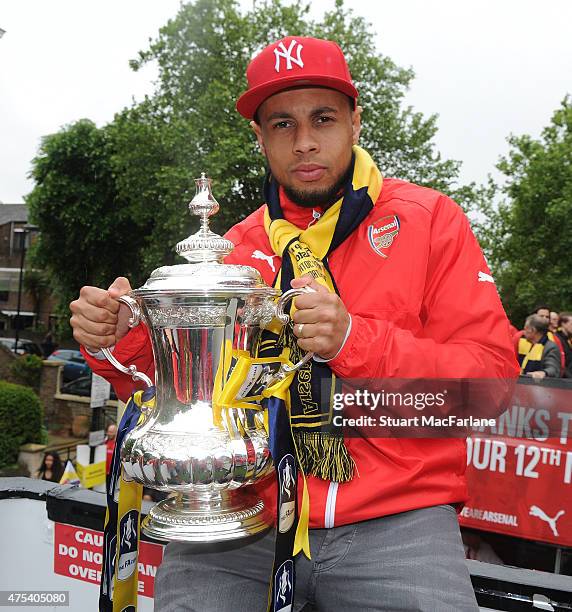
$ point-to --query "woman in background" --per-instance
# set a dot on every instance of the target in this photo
(51, 468)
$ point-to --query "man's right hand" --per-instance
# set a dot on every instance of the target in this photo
(98, 319)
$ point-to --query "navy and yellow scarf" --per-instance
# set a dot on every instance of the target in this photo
(320, 445)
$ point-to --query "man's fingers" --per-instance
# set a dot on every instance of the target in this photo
(93, 342)
(96, 297)
(312, 345)
(316, 300)
(310, 299)
(94, 328)
(96, 314)
(319, 331)
(120, 286)
(306, 330)
(306, 315)
(308, 281)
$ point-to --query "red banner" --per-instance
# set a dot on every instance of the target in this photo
(78, 554)
(520, 472)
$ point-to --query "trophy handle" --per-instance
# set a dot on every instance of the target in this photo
(134, 320)
(284, 318)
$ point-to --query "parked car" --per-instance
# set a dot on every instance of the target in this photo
(75, 364)
(25, 347)
(82, 386)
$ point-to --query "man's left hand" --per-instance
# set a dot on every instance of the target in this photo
(321, 319)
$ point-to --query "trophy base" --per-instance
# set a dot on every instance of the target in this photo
(213, 517)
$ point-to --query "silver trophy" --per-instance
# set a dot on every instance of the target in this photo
(200, 315)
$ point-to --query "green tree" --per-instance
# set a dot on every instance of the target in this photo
(112, 200)
(527, 237)
(27, 370)
(87, 235)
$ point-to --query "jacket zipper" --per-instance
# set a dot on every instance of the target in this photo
(330, 515)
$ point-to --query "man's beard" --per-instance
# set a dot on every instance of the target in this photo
(320, 197)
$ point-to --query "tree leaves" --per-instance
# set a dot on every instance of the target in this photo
(528, 238)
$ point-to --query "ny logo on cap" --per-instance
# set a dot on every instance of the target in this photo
(281, 51)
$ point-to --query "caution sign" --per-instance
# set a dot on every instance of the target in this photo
(78, 553)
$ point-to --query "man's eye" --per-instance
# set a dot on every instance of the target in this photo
(324, 119)
(281, 124)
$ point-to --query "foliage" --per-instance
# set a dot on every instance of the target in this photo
(86, 235)
(37, 285)
(111, 201)
(528, 237)
(21, 417)
(27, 370)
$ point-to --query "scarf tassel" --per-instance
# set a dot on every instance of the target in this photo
(324, 455)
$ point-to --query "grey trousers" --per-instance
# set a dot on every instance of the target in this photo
(413, 561)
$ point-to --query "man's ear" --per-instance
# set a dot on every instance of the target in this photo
(258, 133)
(356, 124)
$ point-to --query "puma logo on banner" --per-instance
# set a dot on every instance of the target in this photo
(282, 52)
(267, 258)
(539, 513)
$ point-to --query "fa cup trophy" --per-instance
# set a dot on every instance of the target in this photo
(200, 315)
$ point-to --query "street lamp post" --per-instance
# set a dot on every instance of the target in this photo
(23, 231)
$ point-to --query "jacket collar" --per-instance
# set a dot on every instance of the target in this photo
(300, 216)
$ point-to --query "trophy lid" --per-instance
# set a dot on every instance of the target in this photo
(204, 246)
(205, 274)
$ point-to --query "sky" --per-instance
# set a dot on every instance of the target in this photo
(488, 68)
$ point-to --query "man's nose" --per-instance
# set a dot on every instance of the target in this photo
(305, 140)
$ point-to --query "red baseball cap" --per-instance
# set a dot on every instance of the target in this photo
(294, 61)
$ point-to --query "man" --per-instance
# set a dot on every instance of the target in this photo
(553, 323)
(564, 334)
(545, 314)
(538, 356)
(411, 297)
(110, 435)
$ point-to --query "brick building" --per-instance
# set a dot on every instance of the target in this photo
(36, 306)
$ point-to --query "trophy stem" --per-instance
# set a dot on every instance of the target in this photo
(206, 517)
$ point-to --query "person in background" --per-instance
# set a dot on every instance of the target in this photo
(51, 468)
(48, 345)
(539, 357)
(110, 435)
(545, 313)
(564, 334)
(477, 549)
(553, 322)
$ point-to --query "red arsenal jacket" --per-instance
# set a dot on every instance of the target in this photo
(423, 305)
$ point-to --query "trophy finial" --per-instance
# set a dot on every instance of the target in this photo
(203, 203)
(204, 245)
